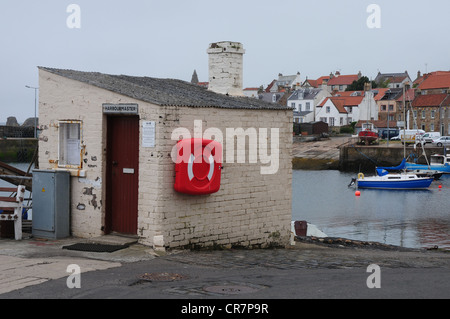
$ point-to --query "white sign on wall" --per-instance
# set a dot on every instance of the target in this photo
(148, 134)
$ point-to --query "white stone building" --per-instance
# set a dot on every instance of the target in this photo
(304, 103)
(116, 135)
(347, 107)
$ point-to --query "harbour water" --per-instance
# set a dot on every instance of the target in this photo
(406, 218)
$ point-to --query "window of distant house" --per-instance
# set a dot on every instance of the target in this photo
(350, 109)
(391, 107)
(432, 114)
(70, 144)
(432, 127)
(328, 110)
(331, 121)
(308, 106)
(423, 127)
(415, 114)
(423, 114)
(323, 119)
(383, 108)
(341, 87)
(391, 118)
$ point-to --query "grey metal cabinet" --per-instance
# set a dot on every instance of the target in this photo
(51, 204)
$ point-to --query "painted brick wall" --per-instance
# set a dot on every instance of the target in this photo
(251, 209)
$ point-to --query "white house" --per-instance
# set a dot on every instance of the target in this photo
(286, 82)
(333, 112)
(347, 107)
(304, 103)
(251, 92)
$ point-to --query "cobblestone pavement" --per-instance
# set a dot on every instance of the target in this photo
(304, 270)
(309, 256)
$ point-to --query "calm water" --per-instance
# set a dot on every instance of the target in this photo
(413, 219)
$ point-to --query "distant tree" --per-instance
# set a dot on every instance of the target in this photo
(358, 85)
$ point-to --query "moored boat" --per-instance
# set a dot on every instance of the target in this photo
(438, 162)
(368, 135)
(394, 181)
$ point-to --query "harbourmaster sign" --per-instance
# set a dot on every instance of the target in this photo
(120, 109)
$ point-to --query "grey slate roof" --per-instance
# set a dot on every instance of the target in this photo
(308, 94)
(164, 92)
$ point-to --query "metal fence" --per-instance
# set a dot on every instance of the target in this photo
(16, 132)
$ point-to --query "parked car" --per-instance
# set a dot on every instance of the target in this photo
(442, 141)
(428, 137)
(391, 132)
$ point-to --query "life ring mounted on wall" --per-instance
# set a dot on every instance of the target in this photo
(200, 172)
(198, 166)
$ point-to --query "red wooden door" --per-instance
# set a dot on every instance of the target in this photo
(122, 175)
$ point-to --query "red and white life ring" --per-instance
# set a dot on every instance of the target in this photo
(191, 174)
(198, 166)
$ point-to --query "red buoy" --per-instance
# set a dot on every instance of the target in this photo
(357, 193)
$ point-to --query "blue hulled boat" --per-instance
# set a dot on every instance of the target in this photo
(401, 179)
(394, 181)
(439, 163)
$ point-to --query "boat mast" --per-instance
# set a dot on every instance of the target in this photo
(404, 124)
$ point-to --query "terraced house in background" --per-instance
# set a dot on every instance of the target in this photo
(431, 104)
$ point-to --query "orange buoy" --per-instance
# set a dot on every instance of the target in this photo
(440, 186)
(357, 193)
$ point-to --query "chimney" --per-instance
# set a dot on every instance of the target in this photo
(226, 68)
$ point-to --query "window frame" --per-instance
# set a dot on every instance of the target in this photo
(61, 124)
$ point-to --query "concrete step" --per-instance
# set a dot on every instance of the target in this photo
(114, 239)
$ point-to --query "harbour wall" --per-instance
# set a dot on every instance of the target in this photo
(366, 158)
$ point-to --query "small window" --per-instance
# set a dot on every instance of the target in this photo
(70, 144)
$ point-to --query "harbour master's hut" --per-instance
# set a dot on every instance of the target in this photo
(117, 136)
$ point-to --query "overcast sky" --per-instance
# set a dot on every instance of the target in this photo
(169, 38)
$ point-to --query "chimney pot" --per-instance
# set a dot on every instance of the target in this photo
(226, 68)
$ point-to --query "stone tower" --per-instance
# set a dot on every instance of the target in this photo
(226, 67)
